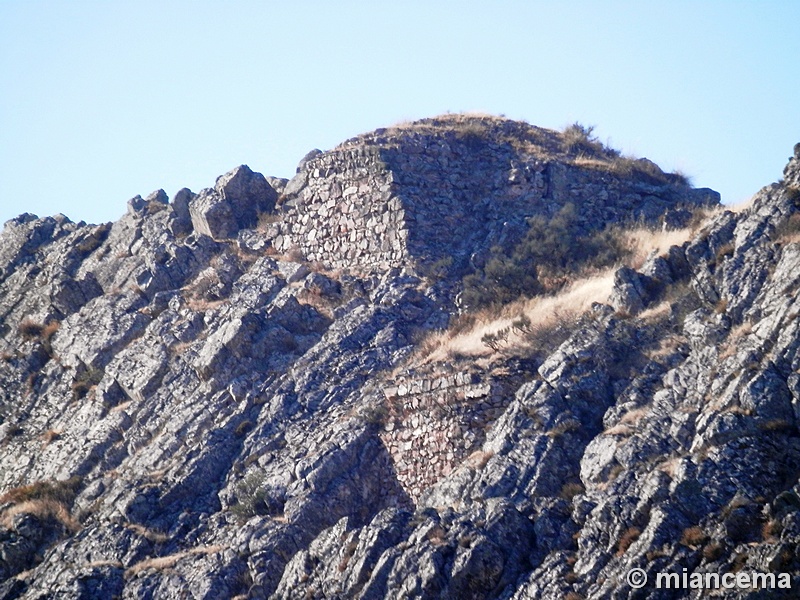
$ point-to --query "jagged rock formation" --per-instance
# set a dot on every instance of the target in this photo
(213, 397)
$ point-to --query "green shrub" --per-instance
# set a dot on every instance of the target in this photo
(86, 378)
(252, 497)
(579, 139)
(549, 253)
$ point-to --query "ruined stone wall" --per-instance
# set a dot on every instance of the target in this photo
(342, 211)
(437, 422)
(425, 199)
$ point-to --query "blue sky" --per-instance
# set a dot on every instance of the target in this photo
(100, 101)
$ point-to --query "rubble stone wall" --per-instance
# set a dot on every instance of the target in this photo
(345, 213)
(378, 203)
(435, 423)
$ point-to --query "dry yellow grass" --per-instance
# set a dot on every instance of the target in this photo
(731, 346)
(621, 429)
(739, 206)
(643, 242)
(542, 311)
(537, 142)
(669, 466)
(633, 416)
(157, 537)
(167, 562)
(478, 459)
(667, 346)
(42, 508)
(656, 313)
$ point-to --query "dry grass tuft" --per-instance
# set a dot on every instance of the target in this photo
(51, 435)
(634, 416)
(627, 539)
(30, 329)
(620, 429)
(732, 344)
(45, 509)
(713, 551)
(157, 537)
(564, 427)
(478, 459)
(167, 562)
(669, 466)
(789, 231)
(541, 314)
(266, 220)
(644, 241)
(571, 489)
(60, 491)
(693, 537)
(771, 530)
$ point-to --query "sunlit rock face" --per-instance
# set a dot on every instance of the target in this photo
(272, 389)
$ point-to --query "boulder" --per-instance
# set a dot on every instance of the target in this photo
(237, 199)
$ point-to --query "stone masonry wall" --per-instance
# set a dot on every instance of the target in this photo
(437, 422)
(344, 211)
(387, 200)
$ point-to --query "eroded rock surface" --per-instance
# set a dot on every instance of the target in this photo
(220, 395)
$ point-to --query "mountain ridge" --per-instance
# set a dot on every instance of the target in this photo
(218, 395)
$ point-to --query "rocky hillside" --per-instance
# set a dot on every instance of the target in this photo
(255, 391)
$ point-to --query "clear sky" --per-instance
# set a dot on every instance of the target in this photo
(103, 100)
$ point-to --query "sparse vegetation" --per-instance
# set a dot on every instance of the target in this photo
(571, 489)
(553, 252)
(47, 500)
(472, 132)
(50, 436)
(30, 329)
(523, 327)
(252, 498)
(776, 425)
(376, 413)
(167, 562)
(86, 379)
(693, 537)
(733, 343)
(771, 530)
(437, 269)
(266, 220)
(579, 139)
(243, 428)
(564, 427)
(789, 230)
(713, 551)
(33, 330)
(347, 554)
(478, 459)
(628, 537)
(725, 251)
(204, 292)
(157, 537)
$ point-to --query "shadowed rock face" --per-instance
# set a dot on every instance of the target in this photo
(214, 396)
(451, 189)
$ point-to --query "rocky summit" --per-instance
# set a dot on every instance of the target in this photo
(461, 358)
